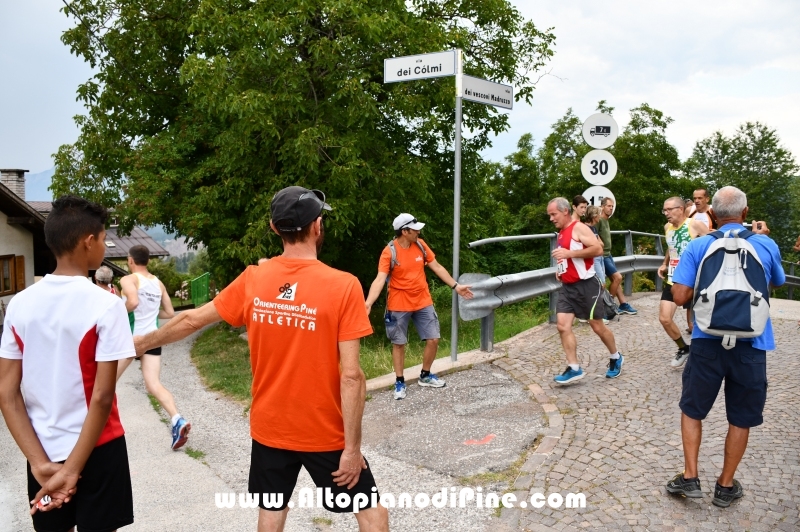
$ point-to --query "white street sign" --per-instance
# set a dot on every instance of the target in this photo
(596, 194)
(599, 167)
(435, 65)
(600, 131)
(488, 92)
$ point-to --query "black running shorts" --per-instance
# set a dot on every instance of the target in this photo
(274, 472)
(666, 295)
(583, 298)
(103, 501)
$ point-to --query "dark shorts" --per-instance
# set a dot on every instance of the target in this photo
(744, 370)
(611, 268)
(666, 295)
(582, 299)
(103, 500)
(156, 351)
(274, 472)
(425, 320)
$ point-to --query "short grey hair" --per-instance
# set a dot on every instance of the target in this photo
(605, 200)
(729, 202)
(676, 199)
(562, 204)
(104, 274)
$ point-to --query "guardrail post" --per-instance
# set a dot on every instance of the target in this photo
(487, 333)
(791, 287)
(659, 251)
(553, 295)
(628, 276)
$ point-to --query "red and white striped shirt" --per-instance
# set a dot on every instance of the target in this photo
(60, 328)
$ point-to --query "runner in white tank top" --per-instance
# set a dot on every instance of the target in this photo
(146, 312)
(145, 296)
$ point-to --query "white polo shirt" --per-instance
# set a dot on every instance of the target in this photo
(60, 328)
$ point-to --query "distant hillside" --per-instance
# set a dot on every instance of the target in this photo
(36, 186)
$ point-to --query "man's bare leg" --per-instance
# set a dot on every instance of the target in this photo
(605, 334)
(372, 519)
(568, 341)
(151, 370)
(122, 365)
(666, 313)
(692, 433)
(272, 521)
(429, 355)
(735, 446)
(399, 358)
(616, 288)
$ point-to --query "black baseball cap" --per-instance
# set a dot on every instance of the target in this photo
(295, 207)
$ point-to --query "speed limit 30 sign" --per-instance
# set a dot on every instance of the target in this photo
(598, 167)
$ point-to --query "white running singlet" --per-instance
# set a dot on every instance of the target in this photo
(60, 328)
(146, 312)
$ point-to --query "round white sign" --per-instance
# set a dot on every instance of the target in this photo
(595, 195)
(600, 131)
(598, 167)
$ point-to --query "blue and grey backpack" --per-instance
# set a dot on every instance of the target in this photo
(731, 295)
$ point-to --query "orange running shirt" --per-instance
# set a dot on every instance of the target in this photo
(296, 311)
(408, 286)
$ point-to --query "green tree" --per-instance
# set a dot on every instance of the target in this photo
(753, 160)
(202, 109)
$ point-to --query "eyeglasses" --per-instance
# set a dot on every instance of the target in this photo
(665, 211)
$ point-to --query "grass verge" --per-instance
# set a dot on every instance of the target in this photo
(196, 454)
(223, 359)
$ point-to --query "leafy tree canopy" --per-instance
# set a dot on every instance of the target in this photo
(202, 109)
(753, 160)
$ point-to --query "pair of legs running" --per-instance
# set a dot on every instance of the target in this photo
(369, 520)
(151, 372)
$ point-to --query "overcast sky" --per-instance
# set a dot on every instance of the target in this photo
(710, 65)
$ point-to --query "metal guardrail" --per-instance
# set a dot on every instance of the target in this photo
(494, 292)
(791, 280)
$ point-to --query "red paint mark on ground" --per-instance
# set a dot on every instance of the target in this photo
(484, 441)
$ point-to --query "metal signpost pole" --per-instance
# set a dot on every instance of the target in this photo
(456, 209)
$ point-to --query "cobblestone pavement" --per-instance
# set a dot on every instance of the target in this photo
(618, 441)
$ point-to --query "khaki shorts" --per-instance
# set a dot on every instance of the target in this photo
(425, 320)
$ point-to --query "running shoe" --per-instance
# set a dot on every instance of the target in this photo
(680, 486)
(180, 433)
(723, 497)
(680, 357)
(399, 390)
(569, 375)
(626, 308)
(614, 367)
(431, 381)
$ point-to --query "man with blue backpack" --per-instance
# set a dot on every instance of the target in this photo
(402, 267)
(727, 275)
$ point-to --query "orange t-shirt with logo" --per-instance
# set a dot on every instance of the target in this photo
(296, 311)
(408, 286)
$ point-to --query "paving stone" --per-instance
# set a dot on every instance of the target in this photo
(620, 439)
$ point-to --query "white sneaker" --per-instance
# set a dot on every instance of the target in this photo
(680, 358)
(399, 390)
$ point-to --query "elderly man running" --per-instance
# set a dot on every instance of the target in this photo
(581, 290)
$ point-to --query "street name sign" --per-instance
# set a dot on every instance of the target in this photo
(598, 167)
(423, 66)
(487, 92)
(600, 131)
(595, 195)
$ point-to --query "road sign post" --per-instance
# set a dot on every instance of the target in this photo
(441, 64)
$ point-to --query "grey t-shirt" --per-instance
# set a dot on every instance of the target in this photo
(605, 235)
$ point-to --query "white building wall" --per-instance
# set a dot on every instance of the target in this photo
(16, 240)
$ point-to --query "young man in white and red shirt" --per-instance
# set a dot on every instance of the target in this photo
(58, 365)
(581, 291)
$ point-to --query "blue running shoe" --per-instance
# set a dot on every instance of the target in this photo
(399, 390)
(570, 375)
(180, 433)
(614, 367)
(432, 381)
(626, 308)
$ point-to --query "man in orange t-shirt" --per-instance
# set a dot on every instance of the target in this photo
(304, 323)
(410, 299)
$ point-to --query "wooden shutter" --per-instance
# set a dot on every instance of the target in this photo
(19, 267)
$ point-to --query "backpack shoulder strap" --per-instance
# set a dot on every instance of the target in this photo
(393, 261)
(424, 253)
(716, 234)
(746, 233)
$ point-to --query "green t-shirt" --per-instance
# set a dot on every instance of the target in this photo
(604, 230)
